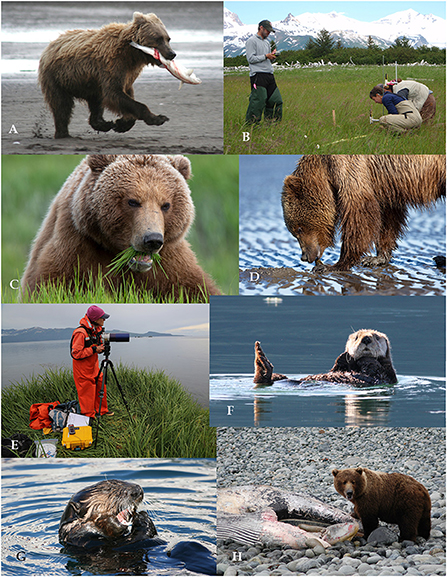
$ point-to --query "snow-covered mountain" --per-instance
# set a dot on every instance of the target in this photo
(294, 31)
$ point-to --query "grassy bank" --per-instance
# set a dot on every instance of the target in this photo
(313, 97)
(29, 184)
(166, 421)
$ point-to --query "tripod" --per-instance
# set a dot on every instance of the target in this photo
(105, 364)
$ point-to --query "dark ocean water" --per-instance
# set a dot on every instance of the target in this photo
(266, 246)
(305, 336)
(180, 497)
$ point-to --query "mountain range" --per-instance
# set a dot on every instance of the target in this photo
(39, 334)
(293, 32)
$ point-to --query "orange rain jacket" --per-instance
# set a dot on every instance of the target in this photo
(86, 367)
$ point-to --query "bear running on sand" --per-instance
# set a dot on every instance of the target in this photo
(365, 362)
(111, 203)
(368, 197)
(391, 497)
(100, 67)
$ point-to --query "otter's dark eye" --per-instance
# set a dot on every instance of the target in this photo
(166, 206)
(133, 203)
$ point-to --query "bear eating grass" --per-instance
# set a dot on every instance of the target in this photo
(367, 197)
(391, 497)
(110, 203)
(100, 67)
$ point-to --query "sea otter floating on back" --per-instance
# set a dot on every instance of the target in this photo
(366, 361)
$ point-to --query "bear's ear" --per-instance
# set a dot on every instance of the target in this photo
(335, 472)
(138, 17)
(292, 182)
(98, 162)
(182, 164)
(359, 470)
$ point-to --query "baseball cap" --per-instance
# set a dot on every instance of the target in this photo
(267, 25)
(94, 313)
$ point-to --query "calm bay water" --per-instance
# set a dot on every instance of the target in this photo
(183, 358)
(304, 336)
(179, 496)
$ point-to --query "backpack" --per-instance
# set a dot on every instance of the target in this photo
(59, 414)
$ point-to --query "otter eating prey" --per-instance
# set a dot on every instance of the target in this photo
(261, 514)
(365, 362)
(106, 514)
(103, 527)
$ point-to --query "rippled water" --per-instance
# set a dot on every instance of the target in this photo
(413, 402)
(269, 256)
(179, 495)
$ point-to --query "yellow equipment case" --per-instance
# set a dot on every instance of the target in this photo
(77, 438)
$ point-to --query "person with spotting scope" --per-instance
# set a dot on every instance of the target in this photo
(86, 343)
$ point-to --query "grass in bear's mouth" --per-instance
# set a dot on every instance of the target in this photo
(122, 260)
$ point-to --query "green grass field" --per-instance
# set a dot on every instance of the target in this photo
(29, 184)
(312, 96)
(166, 421)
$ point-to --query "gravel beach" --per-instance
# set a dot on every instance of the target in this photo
(301, 459)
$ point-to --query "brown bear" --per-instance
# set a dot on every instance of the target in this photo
(366, 361)
(100, 67)
(367, 196)
(391, 497)
(110, 203)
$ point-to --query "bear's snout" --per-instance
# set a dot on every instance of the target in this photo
(349, 494)
(152, 242)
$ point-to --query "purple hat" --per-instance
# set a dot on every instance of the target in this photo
(94, 313)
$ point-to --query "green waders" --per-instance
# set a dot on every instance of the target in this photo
(264, 99)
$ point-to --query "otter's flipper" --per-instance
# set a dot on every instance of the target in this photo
(264, 374)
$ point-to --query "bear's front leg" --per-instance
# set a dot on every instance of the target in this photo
(124, 124)
(132, 108)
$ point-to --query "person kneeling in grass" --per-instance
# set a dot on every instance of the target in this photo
(402, 114)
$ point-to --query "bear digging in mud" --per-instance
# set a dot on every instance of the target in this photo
(368, 197)
(100, 67)
(111, 203)
(391, 497)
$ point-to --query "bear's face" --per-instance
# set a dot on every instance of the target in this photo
(150, 32)
(368, 343)
(135, 201)
(350, 483)
(310, 218)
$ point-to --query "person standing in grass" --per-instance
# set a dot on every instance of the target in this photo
(85, 345)
(419, 94)
(402, 114)
(265, 96)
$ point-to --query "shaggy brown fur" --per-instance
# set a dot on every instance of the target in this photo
(367, 196)
(100, 67)
(366, 361)
(393, 498)
(110, 203)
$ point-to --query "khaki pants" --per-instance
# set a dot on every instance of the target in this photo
(407, 118)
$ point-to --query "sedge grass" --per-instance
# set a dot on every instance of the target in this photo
(98, 289)
(166, 421)
(314, 97)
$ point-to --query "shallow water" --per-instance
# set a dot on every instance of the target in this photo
(269, 256)
(195, 29)
(179, 494)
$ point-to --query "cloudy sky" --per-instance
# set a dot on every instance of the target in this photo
(253, 12)
(187, 319)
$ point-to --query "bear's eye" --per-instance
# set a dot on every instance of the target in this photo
(166, 206)
(134, 203)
